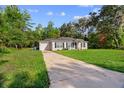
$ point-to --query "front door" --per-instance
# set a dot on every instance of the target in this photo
(63, 45)
(75, 45)
(66, 45)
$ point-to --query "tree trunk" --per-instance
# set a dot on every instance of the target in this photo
(16, 46)
(116, 43)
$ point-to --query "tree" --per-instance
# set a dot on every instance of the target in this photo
(63, 30)
(16, 19)
(17, 39)
(70, 30)
(93, 41)
(39, 31)
(50, 26)
(1, 25)
(81, 25)
(108, 24)
(13, 24)
(51, 31)
(54, 33)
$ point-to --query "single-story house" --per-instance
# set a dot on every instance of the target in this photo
(62, 43)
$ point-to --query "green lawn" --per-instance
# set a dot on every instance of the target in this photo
(111, 59)
(23, 68)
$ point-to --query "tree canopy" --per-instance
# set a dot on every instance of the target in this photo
(102, 29)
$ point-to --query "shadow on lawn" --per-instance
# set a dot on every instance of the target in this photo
(3, 62)
(87, 77)
(2, 79)
(23, 80)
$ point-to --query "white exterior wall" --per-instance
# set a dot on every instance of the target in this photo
(86, 45)
(69, 45)
(64, 45)
(43, 45)
(59, 45)
(79, 46)
(53, 45)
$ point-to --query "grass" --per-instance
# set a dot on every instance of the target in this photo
(110, 59)
(24, 68)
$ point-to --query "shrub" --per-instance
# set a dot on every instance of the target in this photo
(4, 50)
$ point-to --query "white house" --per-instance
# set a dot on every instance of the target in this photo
(62, 43)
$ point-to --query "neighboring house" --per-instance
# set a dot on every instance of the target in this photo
(62, 43)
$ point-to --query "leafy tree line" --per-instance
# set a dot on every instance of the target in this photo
(109, 27)
(102, 29)
(16, 29)
(105, 28)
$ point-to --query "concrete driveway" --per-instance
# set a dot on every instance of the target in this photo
(65, 72)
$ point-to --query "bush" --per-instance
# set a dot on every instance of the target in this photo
(122, 48)
(4, 50)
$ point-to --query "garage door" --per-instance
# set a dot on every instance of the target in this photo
(43, 46)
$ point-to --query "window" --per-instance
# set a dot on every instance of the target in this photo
(55, 44)
(72, 44)
(63, 45)
(66, 44)
(75, 44)
(81, 45)
(84, 44)
(58, 45)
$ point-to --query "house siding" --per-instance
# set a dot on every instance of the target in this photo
(43, 45)
(62, 44)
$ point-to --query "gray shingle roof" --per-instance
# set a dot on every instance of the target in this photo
(63, 39)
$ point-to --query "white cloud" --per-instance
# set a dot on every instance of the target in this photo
(33, 10)
(86, 6)
(78, 17)
(96, 9)
(62, 13)
(50, 13)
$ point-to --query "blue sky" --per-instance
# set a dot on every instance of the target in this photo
(59, 14)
